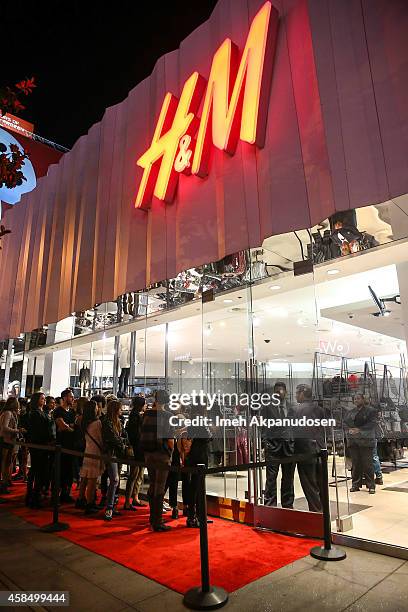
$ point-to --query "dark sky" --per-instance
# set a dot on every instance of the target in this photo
(87, 55)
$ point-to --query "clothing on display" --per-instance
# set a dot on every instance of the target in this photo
(123, 381)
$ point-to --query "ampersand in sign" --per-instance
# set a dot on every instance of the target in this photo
(183, 158)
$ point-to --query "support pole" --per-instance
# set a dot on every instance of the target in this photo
(326, 552)
(56, 525)
(204, 597)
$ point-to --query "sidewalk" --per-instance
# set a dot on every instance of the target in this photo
(32, 560)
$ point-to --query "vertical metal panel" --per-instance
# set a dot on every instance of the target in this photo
(386, 29)
(360, 130)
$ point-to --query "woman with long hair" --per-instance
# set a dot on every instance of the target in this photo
(79, 444)
(91, 468)
(114, 446)
(8, 432)
(133, 430)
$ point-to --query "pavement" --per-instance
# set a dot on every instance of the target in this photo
(32, 560)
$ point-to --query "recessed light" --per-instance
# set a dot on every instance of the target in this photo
(332, 272)
(278, 312)
(275, 287)
(228, 301)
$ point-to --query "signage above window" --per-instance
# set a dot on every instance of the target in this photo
(233, 103)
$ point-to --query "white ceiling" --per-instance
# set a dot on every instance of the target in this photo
(298, 315)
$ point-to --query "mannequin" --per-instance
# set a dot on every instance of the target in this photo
(124, 364)
(84, 377)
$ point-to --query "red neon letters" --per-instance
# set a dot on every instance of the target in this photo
(234, 108)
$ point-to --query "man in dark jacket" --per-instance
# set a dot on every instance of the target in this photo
(157, 443)
(39, 432)
(133, 430)
(278, 443)
(200, 437)
(361, 422)
(309, 440)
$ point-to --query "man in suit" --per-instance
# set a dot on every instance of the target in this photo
(309, 440)
(278, 444)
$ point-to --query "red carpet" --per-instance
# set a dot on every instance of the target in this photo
(238, 553)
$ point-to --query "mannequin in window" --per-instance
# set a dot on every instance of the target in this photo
(84, 377)
(124, 364)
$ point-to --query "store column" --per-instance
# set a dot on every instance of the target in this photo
(57, 363)
(7, 367)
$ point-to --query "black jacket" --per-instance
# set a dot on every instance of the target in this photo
(278, 440)
(133, 430)
(39, 427)
(198, 454)
(112, 441)
(364, 420)
(309, 439)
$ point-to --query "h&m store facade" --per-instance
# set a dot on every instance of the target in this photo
(241, 218)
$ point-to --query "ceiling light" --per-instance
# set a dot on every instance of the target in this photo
(208, 330)
(278, 312)
(222, 324)
(228, 301)
(332, 272)
(275, 287)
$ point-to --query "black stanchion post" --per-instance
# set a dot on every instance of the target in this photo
(204, 597)
(326, 552)
(56, 525)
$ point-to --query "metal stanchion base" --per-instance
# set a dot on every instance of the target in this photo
(196, 599)
(323, 554)
(54, 527)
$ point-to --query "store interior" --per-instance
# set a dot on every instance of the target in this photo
(269, 316)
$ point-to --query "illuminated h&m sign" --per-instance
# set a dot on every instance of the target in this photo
(233, 105)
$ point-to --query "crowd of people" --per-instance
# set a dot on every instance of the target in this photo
(360, 428)
(96, 427)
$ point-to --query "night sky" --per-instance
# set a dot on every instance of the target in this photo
(85, 57)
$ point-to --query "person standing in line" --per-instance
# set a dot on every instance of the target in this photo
(49, 405)
(9, 431)
(361, 423)
(48, 409)
(23, 452)
(64, 418)
(196, 454)
(176, 461)
(133, 430)
(113, 446)
(279, 443)
(157, 442)
(101, 403)
(309, 440)
(379, 434)
(39, 432)
(91, 468)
